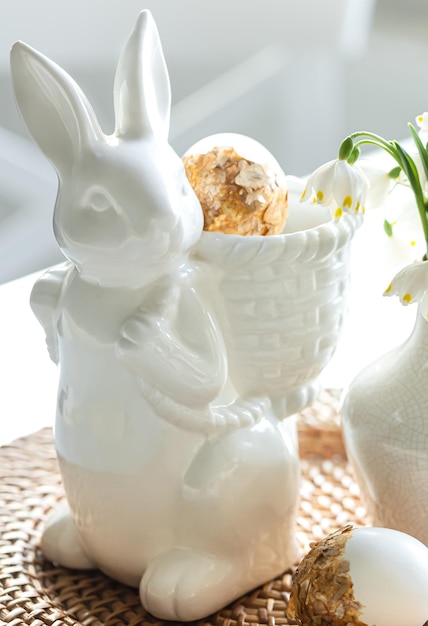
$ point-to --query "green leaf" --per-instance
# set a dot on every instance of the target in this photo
(387, 227)
(420, 146)
(410, 170)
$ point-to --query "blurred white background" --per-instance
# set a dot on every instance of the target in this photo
(298, 75)
(273, 69)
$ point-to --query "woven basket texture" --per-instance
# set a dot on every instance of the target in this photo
(284, 320)
(35, 592)
(284, 300)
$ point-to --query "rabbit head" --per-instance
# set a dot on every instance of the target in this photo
(125, 211)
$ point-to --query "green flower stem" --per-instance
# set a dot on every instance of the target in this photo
(412, 174)
(421, 148)
(376, 140)
(406, 163)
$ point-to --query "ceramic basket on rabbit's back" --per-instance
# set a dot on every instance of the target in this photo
(184, 353)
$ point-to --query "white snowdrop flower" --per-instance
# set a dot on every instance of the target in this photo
(379, 183)
(338, 185)
(411, 285)
(402, 223)
(422, 122)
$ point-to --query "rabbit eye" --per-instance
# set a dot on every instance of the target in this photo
(99, 201)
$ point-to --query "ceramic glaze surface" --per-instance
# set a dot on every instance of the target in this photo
(385, 425)
(283, 300)
(180, 352)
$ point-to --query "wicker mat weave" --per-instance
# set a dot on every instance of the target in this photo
(33, 591)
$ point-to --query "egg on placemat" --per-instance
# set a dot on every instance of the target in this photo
(241, 187)
(364, 576)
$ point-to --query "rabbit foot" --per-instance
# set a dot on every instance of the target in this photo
(61, 544)
(182, 584)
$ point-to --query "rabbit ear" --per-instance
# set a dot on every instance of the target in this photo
(142, 94)
(54, 108)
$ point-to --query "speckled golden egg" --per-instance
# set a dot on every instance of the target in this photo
(363, 576)
(239, 194)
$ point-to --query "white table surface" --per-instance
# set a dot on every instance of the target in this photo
(29, 379)
(373, 326)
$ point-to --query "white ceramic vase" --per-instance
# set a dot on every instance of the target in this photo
(385, 427)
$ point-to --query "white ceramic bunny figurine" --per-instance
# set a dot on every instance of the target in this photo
(174, 484)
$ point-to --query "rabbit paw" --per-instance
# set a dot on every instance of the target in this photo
(137, 330)
(184, 584)
(61, 543)
(146, 322)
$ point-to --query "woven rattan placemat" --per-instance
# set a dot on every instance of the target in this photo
(33, 591)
